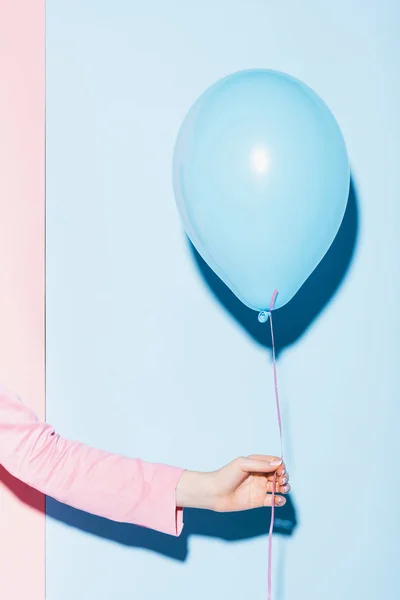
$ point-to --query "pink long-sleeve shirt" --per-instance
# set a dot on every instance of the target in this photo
(108, 485)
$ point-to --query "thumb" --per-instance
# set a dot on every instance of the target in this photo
(261, 464)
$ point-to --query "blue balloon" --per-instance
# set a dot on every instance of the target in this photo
(261, 180)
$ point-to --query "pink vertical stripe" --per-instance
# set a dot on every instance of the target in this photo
(22, 283)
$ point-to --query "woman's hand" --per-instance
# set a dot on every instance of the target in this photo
(243, 484)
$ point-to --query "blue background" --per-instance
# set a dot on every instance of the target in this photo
(149, 355)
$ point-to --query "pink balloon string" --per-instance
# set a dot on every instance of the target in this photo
(278, 411)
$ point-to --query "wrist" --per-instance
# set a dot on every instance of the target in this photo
(195, 490)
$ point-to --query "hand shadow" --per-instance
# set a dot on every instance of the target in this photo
(292, 320)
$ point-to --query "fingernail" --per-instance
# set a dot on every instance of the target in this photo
(284, 480)
(280, 500)
(283, 471)
(275, 463)
(286, 489)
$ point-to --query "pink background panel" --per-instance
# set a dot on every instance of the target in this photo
(22, 270)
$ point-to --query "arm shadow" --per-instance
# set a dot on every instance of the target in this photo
(232, 527)
(226, 526)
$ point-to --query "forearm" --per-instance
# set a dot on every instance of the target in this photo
(109, 485)
(195, 490)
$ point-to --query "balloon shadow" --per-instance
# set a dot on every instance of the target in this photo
(293, 319)
(232, 527)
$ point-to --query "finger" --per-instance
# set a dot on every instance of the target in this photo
(278, 500)
(280, 489)
(282, 480)
(281, 471)
(266, 457)
(266, 464)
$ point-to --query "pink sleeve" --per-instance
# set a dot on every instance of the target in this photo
(109, 485)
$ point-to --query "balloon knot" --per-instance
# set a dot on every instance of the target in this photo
(263, 316)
